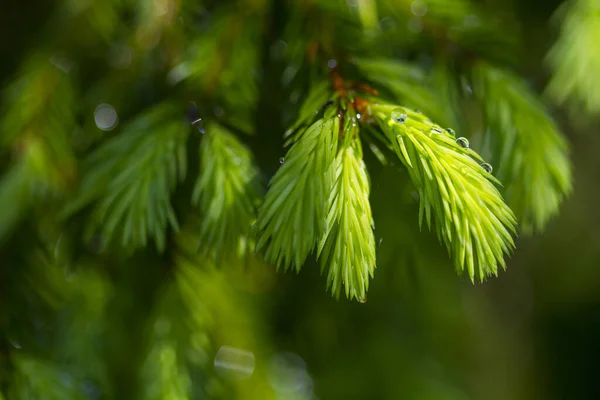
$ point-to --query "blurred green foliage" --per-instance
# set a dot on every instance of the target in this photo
(138, 138)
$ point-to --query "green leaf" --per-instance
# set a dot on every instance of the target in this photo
(470, 216)
(226, 191)
(531, 154)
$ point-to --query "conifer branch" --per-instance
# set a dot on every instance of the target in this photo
(572, 58)
(36, 128)
(347, 247)
(471, 218)
(320, 197)
(131, 176)
(531, 154)
(227, 191)
(292, 217)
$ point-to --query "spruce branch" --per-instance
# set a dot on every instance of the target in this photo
(130, 179)
(222, 63)
(471, 218)
(292, 217)
(347, 247)
(36, 127)
(31, 178)
(574, 62)
(226, 191)
(319, 199)
(532, 155)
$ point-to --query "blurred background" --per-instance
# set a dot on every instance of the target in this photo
(100, 299)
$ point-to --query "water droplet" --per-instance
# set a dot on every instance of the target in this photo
(463, 142)
(399, 116)
(233, 363)
(281, 160)
(418, 8)
(332, 63)
(358, 116)
(450, 131)
(487, 167)
(436, 131)
(419, 111)
(198, 124)
(106, 117)
(363, 300)
(380, 241)
(287, 375)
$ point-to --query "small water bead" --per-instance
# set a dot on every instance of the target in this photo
(363, 300)
(358, 116)
(105, 117)
(281, 160)
(199, 125)
(487, 167)
(234, 364)
(399, 116)
(436, 130)
(463, 142)
(451, 132)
